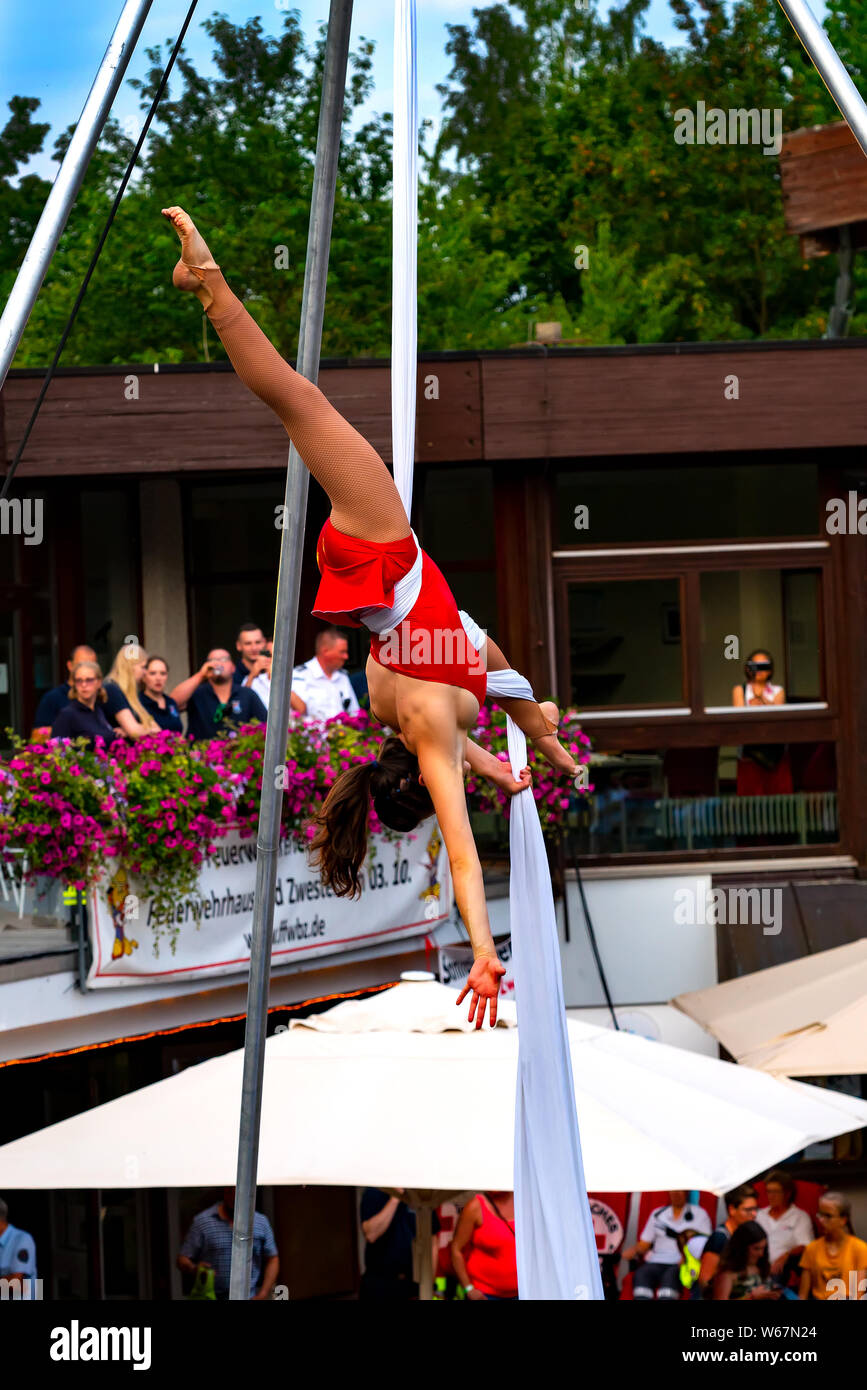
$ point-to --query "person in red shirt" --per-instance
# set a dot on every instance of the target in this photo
(483, 1248)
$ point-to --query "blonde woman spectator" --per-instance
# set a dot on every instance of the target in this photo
(123, 706)
(835, 1265)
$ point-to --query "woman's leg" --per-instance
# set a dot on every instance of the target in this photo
(538, 722)
(364, 499)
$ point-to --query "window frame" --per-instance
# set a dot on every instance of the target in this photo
(686, 563)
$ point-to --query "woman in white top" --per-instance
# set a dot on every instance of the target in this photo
(758, 688)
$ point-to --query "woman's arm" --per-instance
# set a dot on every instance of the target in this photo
(722, 1286)
(738, 695)
(493, 769)
(375, 1226)
(806, 1282)
(469, 1219)
(128, 724)
(438, 746)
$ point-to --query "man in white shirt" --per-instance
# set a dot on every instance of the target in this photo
(789, 1228)
(320, 687)
(659, 1275)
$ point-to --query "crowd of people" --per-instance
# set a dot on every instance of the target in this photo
(757, 1253)
(225, 693)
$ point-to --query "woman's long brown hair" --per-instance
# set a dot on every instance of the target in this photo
(342, 822)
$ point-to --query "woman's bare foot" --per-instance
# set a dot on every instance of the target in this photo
(550, 746)
(195, 256)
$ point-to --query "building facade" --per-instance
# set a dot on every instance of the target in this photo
(630, 523)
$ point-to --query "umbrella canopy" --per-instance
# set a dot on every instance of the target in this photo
(805, 1018)
(417, 1099)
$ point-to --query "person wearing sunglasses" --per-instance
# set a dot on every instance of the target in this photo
(84, 715)
(215, 705)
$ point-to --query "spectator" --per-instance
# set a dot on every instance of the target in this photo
(52, 701)
(258, 672)
(17, 1257)
(389, 1229)
(758, 689)
(208, 1244)
(160, 707)
(835, 1265)
(741, 1205)
(483, 1249)
(255, 657)
(123, 707)
(84, 715)
(744, 1271)
(658, 1246)
(320, 687)
(215, 706)
(789, 1229)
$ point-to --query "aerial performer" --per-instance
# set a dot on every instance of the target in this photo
(428, 661)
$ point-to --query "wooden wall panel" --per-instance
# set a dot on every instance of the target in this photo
(660, 403)
(187, 421)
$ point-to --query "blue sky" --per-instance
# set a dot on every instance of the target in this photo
(51, 49)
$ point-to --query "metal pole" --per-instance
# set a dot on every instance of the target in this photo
(828, 65)
(64, 191)
(288, 587)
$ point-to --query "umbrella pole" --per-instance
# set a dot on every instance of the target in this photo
(423, 1237)
(828, 65)
(64, 191)
(288, 587)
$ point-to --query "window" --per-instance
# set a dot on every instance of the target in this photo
(748, 797)
(776, 610)
(704, 501)
(625, 643)
(457, 531)
(109, 550)
(234, 552)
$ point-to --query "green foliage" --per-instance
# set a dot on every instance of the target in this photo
(558, 132)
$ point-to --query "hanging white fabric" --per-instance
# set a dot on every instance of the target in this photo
(556, 1245)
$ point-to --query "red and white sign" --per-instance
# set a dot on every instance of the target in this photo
(406, 890)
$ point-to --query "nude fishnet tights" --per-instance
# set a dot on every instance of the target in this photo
(364, 499)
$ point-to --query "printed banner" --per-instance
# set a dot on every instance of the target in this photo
(406, 891)
(456, 962)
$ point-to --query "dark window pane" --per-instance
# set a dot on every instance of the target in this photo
(109, 549)
(709, 798)
(624, 643)
(705, 502)
(457, 531)
(232, 527)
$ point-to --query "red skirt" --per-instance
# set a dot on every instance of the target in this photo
(430, 644)
(358, 574)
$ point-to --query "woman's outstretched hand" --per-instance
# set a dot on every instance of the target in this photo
(484, 981)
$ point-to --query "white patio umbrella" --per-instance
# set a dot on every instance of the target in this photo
(399, 1091)
(807, 1017)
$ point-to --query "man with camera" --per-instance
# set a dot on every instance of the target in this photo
(215, 705)
(253, 667)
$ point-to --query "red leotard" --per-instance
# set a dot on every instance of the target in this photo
(430, 644)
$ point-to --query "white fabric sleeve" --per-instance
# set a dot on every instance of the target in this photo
(509, 683)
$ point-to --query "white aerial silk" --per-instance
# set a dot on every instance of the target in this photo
(556, 1245)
